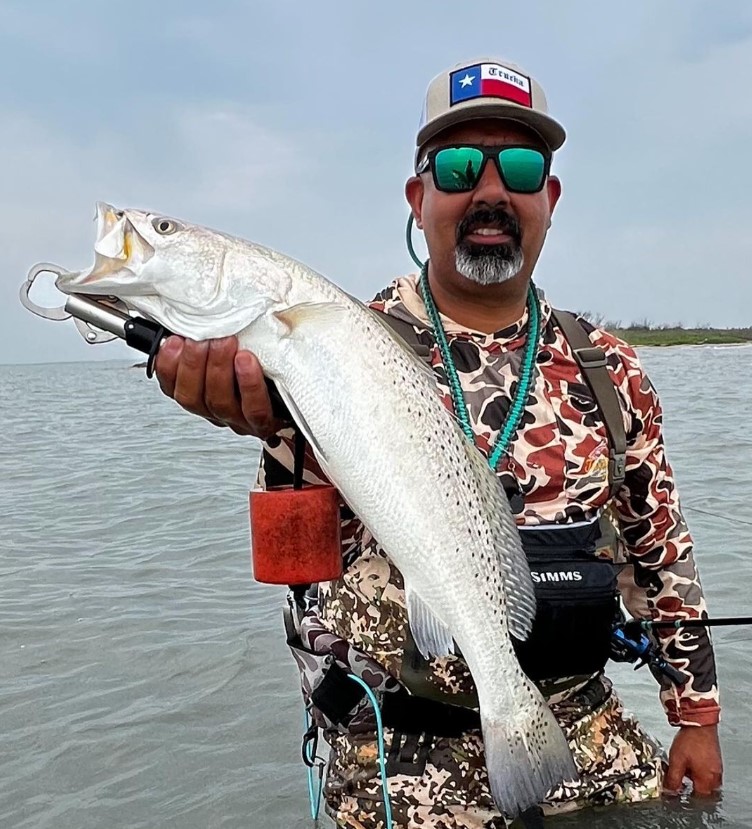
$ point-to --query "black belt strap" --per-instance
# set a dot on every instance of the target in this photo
(531, 818)
(336, 696)
(592, 361)
(417, 715)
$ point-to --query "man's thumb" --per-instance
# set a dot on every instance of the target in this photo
(674, 779)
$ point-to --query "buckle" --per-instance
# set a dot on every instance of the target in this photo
(618, 467)
(408, 754)
(591, 357)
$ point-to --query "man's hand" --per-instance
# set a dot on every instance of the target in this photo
(696, 754)
(214, 380)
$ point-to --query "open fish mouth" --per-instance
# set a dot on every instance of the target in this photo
(120, 251)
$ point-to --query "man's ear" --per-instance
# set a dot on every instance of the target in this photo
(553, 188)
(414, 194)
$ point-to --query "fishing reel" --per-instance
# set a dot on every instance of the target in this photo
(629, 643)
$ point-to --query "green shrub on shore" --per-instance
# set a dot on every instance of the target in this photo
(645, 332)
(683, 336)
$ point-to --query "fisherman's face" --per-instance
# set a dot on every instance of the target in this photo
(489, 234)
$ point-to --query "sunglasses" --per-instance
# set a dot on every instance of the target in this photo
(458, 169)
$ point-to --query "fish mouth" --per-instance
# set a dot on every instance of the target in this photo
(119, 252)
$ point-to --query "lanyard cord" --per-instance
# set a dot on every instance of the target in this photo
(524, 383)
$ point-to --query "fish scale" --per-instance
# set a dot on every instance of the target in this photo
(376, 423)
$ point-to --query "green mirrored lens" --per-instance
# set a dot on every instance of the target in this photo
(457, 168)
(523, 168)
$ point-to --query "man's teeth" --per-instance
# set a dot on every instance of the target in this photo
(488, 231)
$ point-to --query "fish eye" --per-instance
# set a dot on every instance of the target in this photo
(165, 226)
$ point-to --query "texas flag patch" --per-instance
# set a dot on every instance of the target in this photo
(489, 80)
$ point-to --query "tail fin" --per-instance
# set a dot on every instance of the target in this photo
(526, 756)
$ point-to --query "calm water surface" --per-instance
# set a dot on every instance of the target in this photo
(144, 680)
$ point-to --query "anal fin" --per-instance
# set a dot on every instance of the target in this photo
(431, 635)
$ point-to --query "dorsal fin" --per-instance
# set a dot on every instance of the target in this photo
(510, 557)
(407, 333)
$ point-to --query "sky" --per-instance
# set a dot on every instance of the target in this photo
(293, 124)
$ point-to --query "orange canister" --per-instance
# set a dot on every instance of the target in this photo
(295, 534)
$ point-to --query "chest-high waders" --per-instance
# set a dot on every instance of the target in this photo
(577, 608)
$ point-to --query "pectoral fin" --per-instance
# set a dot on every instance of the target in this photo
(324, 313)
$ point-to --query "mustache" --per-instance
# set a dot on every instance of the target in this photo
(490, 216)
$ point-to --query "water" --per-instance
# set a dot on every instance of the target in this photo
(144, 680)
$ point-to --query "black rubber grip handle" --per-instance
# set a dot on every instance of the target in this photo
(146, 336)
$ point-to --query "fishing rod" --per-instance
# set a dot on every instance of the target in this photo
(630, 643)
(721, 621)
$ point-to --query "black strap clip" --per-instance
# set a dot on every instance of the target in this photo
(310, 746)
(594, 365)
(408, 754)
(593, 357)
(617, 467)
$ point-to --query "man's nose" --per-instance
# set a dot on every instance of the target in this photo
(490, 189)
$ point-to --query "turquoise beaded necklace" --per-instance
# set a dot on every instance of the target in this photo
(524, 383)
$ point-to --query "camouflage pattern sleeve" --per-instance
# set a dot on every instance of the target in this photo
(665, 583)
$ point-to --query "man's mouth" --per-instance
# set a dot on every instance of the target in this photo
(489, 227)
(487, 236)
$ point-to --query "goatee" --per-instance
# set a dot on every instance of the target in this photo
(489, 264)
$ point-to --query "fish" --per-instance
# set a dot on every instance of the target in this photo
(372, 413)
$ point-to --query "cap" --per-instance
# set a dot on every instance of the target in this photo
(487, 88)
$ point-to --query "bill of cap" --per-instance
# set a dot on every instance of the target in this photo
(550, 131)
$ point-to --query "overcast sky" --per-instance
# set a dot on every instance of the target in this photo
(292, 124)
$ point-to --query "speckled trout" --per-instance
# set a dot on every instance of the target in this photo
(371, 412)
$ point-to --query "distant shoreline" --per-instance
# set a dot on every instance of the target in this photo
(682, 336)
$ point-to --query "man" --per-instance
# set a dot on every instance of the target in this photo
(483, 195)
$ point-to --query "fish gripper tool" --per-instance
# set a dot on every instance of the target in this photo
(98, 319)
(102, 319)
